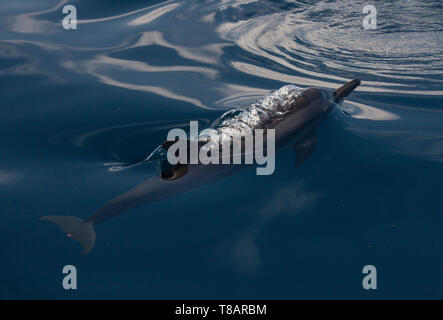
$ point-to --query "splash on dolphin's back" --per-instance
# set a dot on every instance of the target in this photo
(274, 105)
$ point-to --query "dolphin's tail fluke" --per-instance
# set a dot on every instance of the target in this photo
(345, 90)
(77, 228)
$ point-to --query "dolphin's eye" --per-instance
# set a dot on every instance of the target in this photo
(174, 172)
(167, 174)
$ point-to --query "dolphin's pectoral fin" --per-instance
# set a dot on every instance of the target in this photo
(304, 148)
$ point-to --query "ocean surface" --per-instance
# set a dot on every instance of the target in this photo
(75, 104)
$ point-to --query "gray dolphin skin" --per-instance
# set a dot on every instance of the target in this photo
(293, 112)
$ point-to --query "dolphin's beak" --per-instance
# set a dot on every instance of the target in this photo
(345, 90)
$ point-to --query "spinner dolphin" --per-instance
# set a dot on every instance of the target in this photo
(293, 113)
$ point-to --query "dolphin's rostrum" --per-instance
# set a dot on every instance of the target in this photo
(293, 113)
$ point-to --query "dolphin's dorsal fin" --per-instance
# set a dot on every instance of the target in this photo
(304, 148)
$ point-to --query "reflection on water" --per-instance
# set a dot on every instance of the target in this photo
(76, 105)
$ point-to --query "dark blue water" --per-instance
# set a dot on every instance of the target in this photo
(75, 103)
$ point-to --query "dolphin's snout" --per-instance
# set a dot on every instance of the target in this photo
(345, 90)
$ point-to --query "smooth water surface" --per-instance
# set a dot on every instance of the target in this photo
(76, 103)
